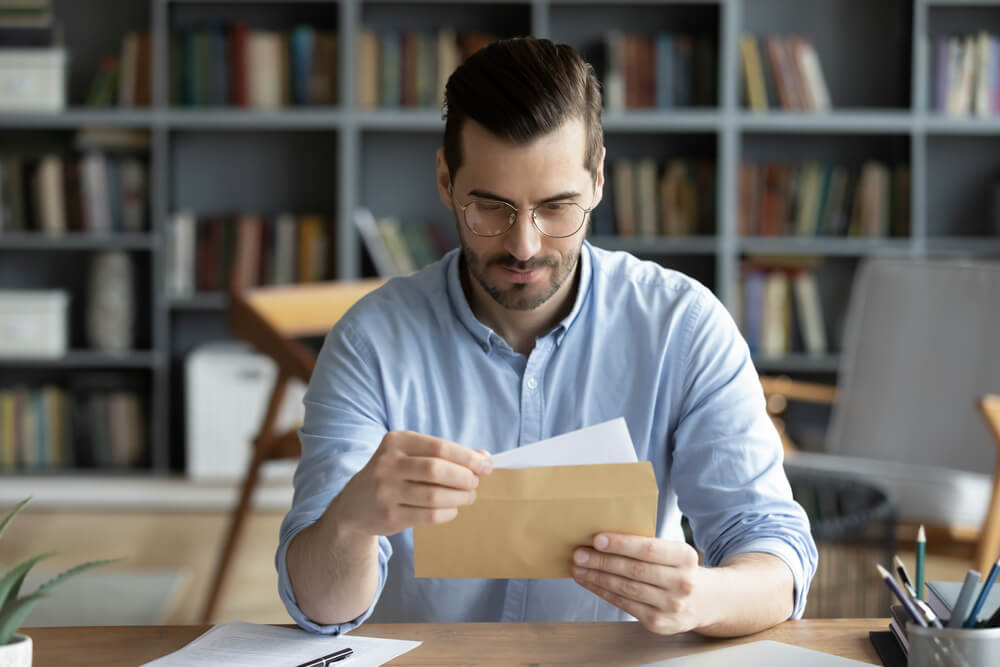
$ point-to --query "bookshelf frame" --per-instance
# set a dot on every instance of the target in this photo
(729, 123)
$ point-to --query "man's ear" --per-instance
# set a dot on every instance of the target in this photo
(599, 190)
(444, 180)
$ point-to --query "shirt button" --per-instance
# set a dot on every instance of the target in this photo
(532, 383)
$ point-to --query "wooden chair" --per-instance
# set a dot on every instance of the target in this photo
(272, 320)
(917, 359)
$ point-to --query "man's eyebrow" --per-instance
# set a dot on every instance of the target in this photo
(485, 194)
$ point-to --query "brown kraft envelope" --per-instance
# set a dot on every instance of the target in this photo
(526, 523)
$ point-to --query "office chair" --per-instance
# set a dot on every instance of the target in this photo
(919, 354)
(272, 319)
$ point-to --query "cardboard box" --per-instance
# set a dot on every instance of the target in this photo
(32, 79)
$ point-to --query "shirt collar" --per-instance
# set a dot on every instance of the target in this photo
(485, 336)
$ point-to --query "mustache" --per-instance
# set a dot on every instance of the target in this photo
(510, 262)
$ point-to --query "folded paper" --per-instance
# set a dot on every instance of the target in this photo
(526, 523)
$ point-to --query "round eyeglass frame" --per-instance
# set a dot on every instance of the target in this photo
(534, 223)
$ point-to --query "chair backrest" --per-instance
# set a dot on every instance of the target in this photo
(920, 349)
(273, 318)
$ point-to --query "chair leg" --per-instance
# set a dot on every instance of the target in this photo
(988, 549)
(237, 520)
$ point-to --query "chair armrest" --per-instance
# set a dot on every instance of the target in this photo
(796, 390)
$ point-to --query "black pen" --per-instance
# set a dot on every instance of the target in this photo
(994, 621)
(336, 656)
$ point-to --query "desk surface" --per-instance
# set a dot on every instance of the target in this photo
(462, 643)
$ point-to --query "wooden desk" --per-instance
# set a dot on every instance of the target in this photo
(466, 643)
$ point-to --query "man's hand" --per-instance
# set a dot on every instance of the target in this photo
(654, 580)
(411, 479)
(660, 583)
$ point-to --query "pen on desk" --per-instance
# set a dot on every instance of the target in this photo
(921, 553)
(904, 576)
(970, 622)
(904, 599)
(961, 607)
(336, 656)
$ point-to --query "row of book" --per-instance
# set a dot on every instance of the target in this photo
(823, 199)
(790, 78)
(397, 249)
(780, 311)
(93, 191)
(677, 199)
(410, 69)
(661, 71)
(967, 75)
(125, 80)
(286, 249)
(235, 65)
(48, 427)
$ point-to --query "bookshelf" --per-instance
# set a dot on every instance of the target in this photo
(330, 159)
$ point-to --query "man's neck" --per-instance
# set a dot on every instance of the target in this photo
(520, 328)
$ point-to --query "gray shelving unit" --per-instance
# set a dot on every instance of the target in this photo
(874, 54)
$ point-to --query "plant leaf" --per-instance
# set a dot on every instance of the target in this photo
(10, 584)
(13, 615)
(10, 516)
(66, 574)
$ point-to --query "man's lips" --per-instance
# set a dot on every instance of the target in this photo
(522, 276)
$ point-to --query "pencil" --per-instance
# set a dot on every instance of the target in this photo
(903, 597)
(921, 553)
(984, 593)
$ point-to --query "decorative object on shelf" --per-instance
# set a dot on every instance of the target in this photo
(110, 298)
(15, 649)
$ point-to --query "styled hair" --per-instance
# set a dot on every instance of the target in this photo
(521, 89)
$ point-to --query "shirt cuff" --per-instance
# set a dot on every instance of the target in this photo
(292, 606)
(790, 557)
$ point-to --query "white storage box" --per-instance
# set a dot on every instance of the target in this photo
(32, 79)
(227, 387)
(33, 323)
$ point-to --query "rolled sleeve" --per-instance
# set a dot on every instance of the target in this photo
(344, 424)
(727, 459)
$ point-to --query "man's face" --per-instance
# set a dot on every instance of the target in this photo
(521, 269)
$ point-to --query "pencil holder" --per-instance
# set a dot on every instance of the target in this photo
(952, 647)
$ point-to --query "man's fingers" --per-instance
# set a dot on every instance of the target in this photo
(425, 445)
(437, 471)
(637, 570)
(407, 517)
(648, 549)
(650, 617)
(623, 586)
(416, 494)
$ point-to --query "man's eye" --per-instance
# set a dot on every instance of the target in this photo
(556, 207)
(490, 206)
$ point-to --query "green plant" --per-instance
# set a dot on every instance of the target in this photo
(14, 609)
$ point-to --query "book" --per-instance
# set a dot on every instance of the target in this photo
(50, 204)
(753, 74)
(364, 222)
(941, 596)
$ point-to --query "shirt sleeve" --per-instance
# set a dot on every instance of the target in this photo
(344, 424)
(727, 458)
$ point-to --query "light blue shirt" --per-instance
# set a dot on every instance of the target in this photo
(641, 341)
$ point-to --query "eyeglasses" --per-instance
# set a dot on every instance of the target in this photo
(489, 217)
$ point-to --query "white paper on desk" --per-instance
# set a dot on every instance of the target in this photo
(608, 442)
(765, 652)
(251, 645)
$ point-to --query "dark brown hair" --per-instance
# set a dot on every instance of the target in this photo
(520, 89)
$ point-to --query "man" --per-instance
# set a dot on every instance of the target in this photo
(524, 333)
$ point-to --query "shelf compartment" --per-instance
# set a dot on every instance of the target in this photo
(851, 122)
(235, 118)
(962, 194)
(873, 73)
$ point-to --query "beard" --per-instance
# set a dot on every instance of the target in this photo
(520, 296)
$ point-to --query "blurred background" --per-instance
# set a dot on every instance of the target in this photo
(157, 155)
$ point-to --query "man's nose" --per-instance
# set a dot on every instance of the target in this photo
(523, 240)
